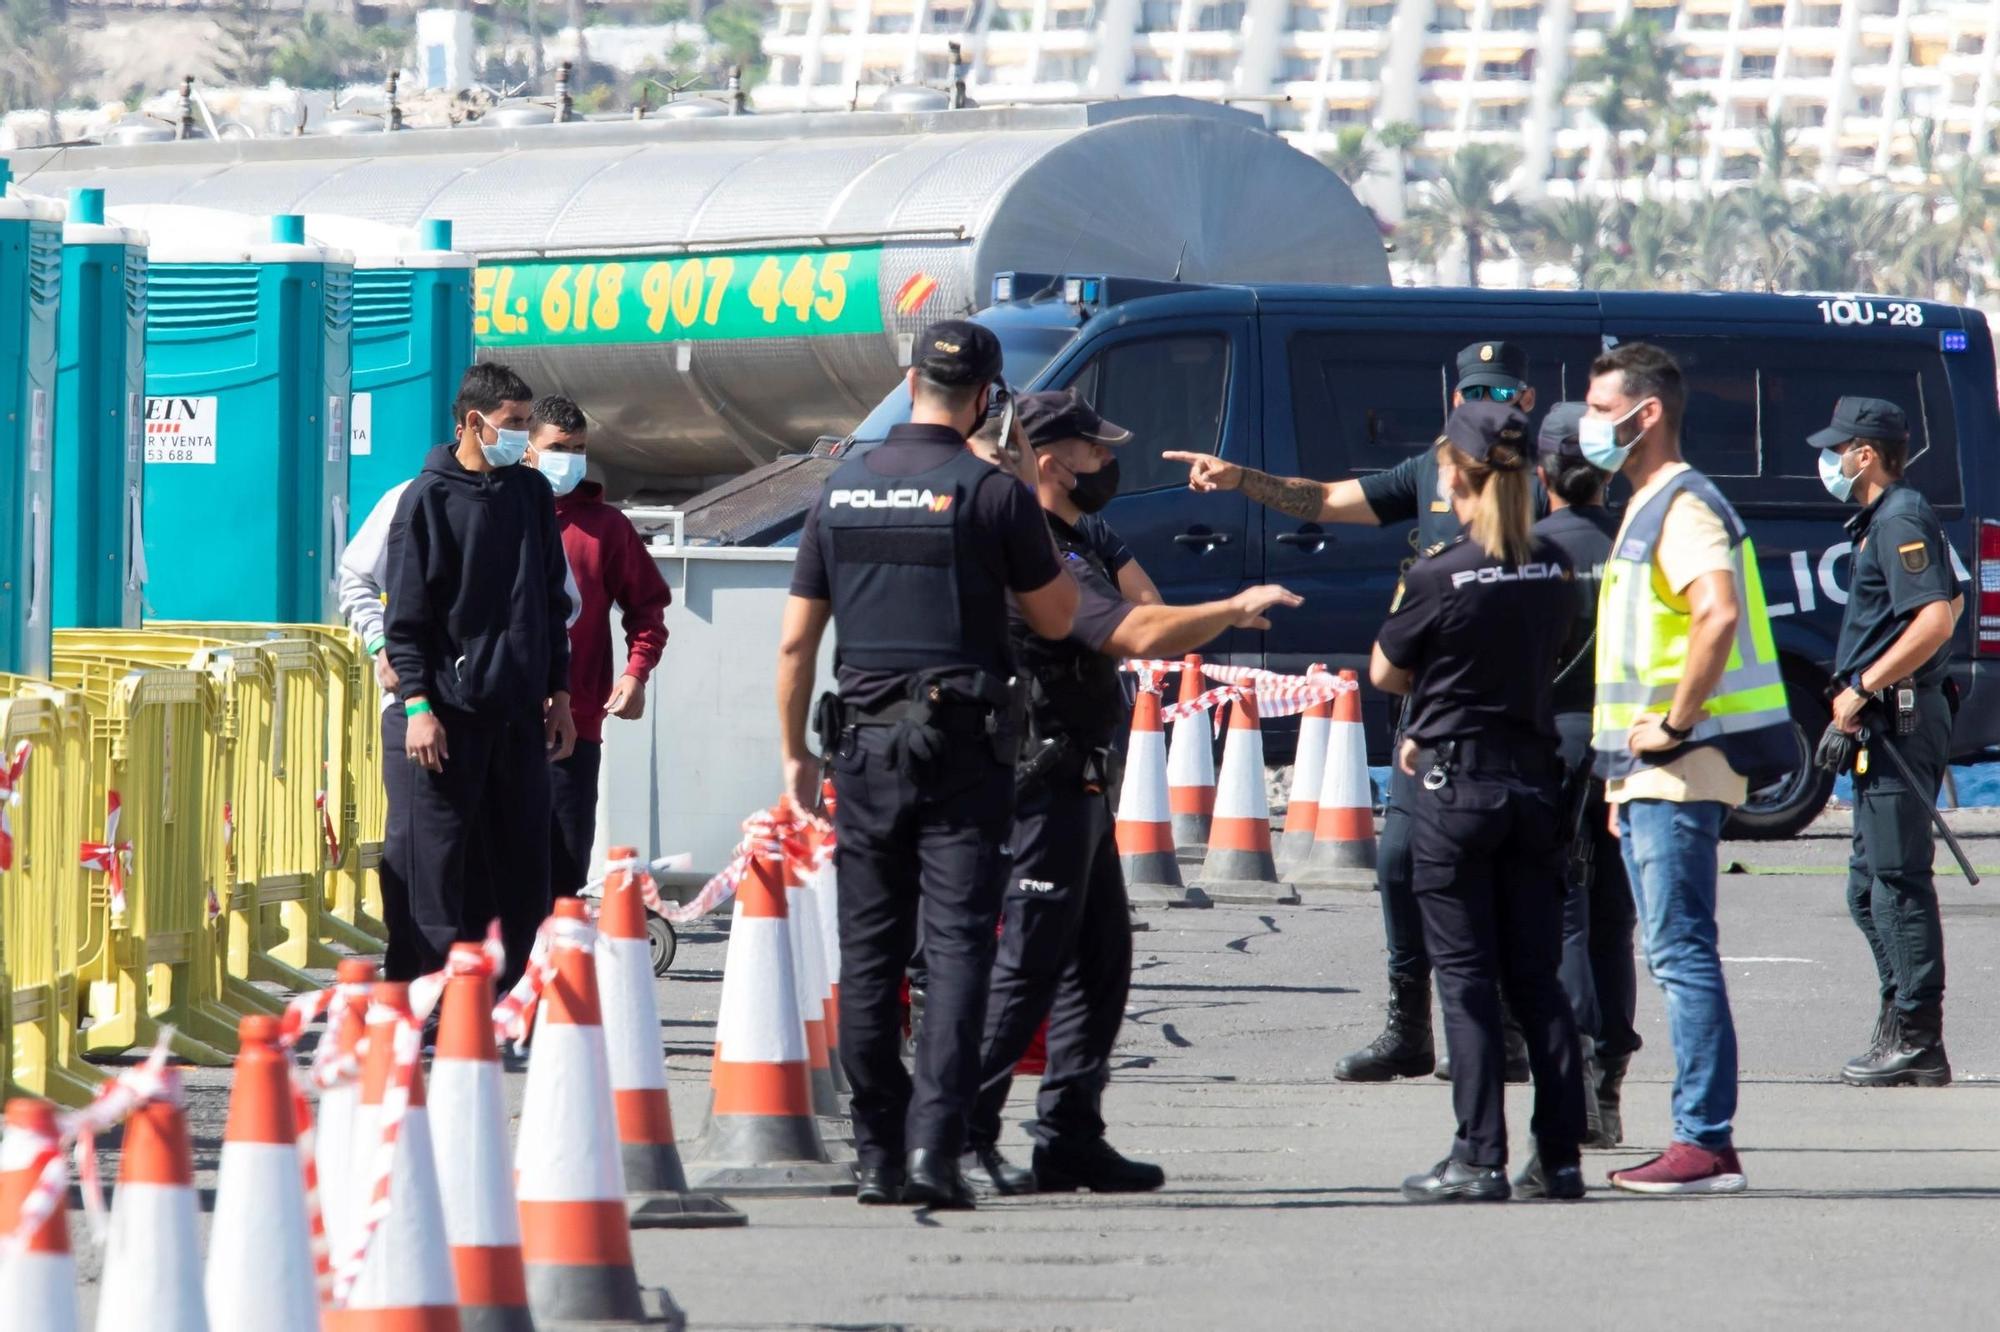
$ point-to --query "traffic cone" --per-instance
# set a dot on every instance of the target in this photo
(482, 1222)
(1144, 828)
(826, 899)
(1240, 867)
(405, 1283)
(261, 1273)
(761, 1135)
(808, 959)
(1343, 849)
(152, 1258)
(655, 1183)
(333, 1123)
(572, 1186)
(1191, 767)
(38, 1284)
(1308, 773)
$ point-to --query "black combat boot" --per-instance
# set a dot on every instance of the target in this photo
(1610, 1094)
(1404, 1049)
(1915, 1058)
(1884, 1037)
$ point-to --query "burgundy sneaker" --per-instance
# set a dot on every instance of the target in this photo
(1685, 1168)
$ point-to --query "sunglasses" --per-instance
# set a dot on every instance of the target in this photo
(1480, 392)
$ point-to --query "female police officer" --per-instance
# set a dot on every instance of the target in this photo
(1473, 640)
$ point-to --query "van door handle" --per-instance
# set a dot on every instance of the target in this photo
(1308, 535)
(1204, 540)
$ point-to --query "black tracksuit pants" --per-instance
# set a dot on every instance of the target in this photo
(1486, 867)
(573, 831)
(1598, 971)
(478, 837)
(1891, 890)
(933, 852)
(1065, 954)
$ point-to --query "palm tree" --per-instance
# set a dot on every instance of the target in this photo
(1767, 213)
(1678, 133)
(1648, 252)
(1712, 244)
(1465, 205)
(1350, 158)
(1399, 137)
(1634, 74)
(1569, 231)
(1962, 242)
(1850, 241)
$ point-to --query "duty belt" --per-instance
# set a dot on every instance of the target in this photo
(1440, 762)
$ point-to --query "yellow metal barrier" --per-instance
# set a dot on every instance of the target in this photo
(43, 903)
(152, 739)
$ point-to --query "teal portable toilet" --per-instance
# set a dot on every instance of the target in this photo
(412, 344)
(247, 346)
(31, 272)
(99, 559)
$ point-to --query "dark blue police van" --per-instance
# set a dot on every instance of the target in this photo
(1332, 382)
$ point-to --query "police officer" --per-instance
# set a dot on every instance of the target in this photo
(1487, 372)
(1598, 916)
(1066, 938)
(913, 549)
(1891, 667)
(1472, 641)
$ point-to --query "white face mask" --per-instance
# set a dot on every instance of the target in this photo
(1837, 482)
(1598, 437)
(508, 446)
(564, 470)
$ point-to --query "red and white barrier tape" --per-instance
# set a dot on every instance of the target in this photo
(327, 829)
(110, 857)
(228, 858)
(768, 832)
(407, 1041)
(491, 960)
(51, 1169)
(11, 773)
(330, 1068)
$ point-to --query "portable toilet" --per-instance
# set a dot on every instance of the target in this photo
(31, 273)
(247, 367)
(412, 344)
(99, 557)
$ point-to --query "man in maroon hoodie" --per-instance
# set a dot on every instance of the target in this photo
(612, 567)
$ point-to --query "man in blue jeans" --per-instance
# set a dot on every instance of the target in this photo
(1690, 714)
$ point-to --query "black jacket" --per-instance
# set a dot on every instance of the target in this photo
(475, 589)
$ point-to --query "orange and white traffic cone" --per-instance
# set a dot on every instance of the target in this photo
(655, 1182)
(572, 1186)
(761, 1135)
(333, 1120)
(404, 1279)
(1144, 827)
(1308, 774)
(261, 1270)
(1343, 849)
(1191, 767)
(37, 1272)
(808, 960)
(482, 1222)
(152, 1258)
(825, 887)
(1240, 867)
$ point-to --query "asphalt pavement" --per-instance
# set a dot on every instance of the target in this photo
(1282, 1208)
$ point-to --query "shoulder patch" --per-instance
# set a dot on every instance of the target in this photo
(1440, 506)
(1916, 556)
(1396, 602)
(1438, 548)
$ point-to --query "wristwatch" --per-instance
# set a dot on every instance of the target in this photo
(1675, 733)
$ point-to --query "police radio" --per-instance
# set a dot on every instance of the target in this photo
(1000, 399)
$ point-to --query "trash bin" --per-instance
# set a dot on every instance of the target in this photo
(31, 272)
(99, 559)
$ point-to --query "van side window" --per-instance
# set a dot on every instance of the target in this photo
(1357, 412)
(1798, 399)
(1169, 392)
(1719, 432)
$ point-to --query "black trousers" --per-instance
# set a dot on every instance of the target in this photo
(404, 958)
(573, 830)
(1065, 954)
(1891, 892)
(933, 852)
(1402, 922)
(478, 842)
(1598, 971)
(1486, 866)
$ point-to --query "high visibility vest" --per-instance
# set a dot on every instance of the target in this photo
(1642, 651)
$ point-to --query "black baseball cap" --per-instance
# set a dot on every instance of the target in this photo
(1863, 418)
(1475, 428)
(957, 352)
(1052, 417)
(1493, 365)
(1559, 433)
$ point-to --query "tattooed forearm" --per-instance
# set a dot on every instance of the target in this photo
(1295, 495)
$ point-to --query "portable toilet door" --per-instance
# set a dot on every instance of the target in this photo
(412, 344)
(247, 346)
(31, 270)
(99, 557)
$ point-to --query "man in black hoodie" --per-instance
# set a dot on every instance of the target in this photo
(475, 633)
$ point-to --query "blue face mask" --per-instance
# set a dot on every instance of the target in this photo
(564, 470)
(508, 447)
(1598, 438)
(1837, 482)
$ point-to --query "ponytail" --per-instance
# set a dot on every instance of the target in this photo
(1503, 502)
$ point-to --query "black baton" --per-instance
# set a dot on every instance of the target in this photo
(1930, 801)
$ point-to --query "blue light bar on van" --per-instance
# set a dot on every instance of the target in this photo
(1954, 340)
(1003, 288)
(1083, 291)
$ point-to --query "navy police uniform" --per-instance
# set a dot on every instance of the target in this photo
(916, 545)
(1066, 937)
(1901, 564)
(1481, 637)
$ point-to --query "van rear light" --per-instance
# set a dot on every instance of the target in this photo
(1988, 642)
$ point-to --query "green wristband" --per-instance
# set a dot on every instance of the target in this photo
(417, 707)
(376, 644)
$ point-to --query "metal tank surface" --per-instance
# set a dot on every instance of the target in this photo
(716, 291)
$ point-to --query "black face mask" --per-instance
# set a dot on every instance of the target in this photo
(1095, 489)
